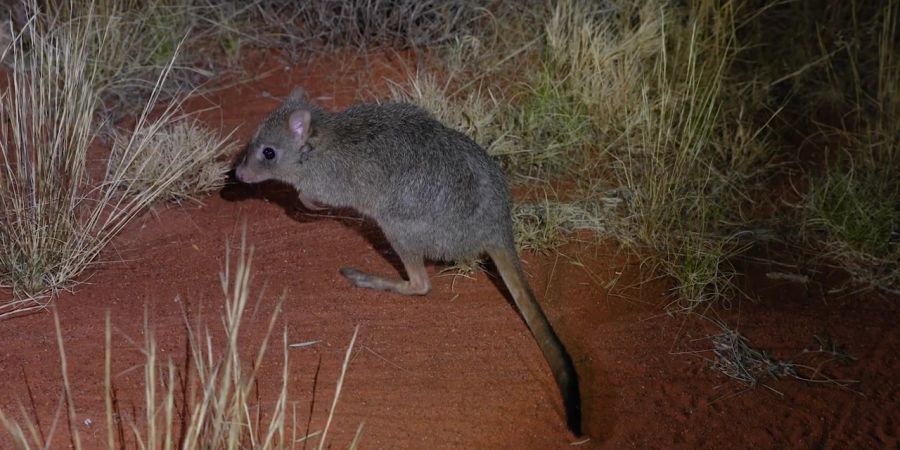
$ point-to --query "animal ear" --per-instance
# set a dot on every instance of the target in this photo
(299, 124)
(297, 94)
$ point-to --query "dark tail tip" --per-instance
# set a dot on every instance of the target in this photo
(573, 417)
(572, 401)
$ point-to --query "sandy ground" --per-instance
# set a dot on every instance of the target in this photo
(457, 368)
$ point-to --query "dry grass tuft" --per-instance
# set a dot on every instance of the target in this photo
(56, 213)
(331, 24)
(736, 358)
(546, 225)
(130, 43)
(476, 113)
(689, 158)
(219, 408)
(188, 147)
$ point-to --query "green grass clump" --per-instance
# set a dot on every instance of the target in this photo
(864, 217)
(553, 128)
(856, 224)
(852, 215)
(852, 205)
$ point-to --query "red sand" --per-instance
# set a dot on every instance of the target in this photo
(457, 368)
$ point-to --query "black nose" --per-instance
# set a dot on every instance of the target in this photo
(231, 177)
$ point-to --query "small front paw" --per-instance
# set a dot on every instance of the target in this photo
(310, 204)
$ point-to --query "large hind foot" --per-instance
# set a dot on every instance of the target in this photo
(418, 283)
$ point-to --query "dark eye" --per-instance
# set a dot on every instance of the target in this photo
(268, 153)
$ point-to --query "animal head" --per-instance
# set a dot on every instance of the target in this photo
(279, 143)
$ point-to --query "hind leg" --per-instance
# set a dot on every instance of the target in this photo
(418, 283)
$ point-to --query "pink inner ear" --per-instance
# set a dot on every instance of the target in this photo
(299, 122)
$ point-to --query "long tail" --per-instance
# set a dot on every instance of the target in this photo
(507, 263)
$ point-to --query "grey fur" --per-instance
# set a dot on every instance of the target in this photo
(433, 191)
(392, 163)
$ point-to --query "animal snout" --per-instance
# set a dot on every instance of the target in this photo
(244, 175)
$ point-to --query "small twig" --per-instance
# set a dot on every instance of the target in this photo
(304, 344)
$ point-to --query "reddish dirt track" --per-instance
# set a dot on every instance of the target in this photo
(457, 368)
